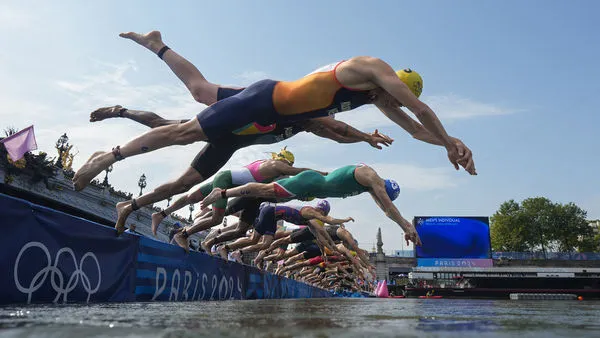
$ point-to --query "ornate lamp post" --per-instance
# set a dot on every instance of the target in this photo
(169, 201)
(61, 145)
(142, 183)
(191, 210)
(105, 182)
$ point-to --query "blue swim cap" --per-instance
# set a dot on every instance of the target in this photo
(392, 188)
(324, 205)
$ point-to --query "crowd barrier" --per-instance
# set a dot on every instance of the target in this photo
(53, 257)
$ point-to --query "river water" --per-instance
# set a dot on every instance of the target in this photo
(337, 317)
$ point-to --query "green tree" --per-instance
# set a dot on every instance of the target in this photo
(538, 224)
(508, 231)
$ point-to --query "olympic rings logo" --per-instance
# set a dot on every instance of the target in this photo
(57, 279)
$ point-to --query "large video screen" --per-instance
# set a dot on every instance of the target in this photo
(453, 237)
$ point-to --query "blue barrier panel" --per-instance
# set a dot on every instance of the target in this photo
(263, 285)
(49, 256)
(167, 273)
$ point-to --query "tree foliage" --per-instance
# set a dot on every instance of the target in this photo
(538, 224)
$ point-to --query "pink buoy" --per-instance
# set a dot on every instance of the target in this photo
(382, 292)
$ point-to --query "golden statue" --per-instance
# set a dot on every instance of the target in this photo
(66, 158)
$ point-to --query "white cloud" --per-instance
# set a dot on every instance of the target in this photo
(447, 108)
(416, 178)
(455, 107)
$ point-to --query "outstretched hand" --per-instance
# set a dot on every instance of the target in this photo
(466, 157)
(377, 138)
(412, 236)
(460, 156)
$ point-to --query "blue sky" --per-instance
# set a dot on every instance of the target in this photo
(516, 81)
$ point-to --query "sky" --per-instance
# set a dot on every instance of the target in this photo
(517, 81)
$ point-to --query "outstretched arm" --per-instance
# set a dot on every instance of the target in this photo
(384, 76)
(417, 131)
(323, 238)
(265, 190)
(341, 132)
(311, 213)
(285, 169)
(370, 178)
(383, 201)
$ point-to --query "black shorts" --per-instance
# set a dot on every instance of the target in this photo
(309, 248)
(266, 224)
(239, 114)
(215, 155)
(301, 235)
(249, 206)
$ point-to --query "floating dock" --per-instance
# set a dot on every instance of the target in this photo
(53, 257)
(543, 296)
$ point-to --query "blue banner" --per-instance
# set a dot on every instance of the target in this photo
(53, 257)
(166, 272)
(456, 262)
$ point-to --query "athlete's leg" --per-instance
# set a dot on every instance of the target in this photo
(174, 134)
(229, 235)
(181, 184)
(295, 266)
(261, 190)
(202, 90)
(240, 243)
(280, 242)
(294, 258)
(284, 255)
(264, 243)
(227, 226)
(247, 210)
(305, 184)
(283, 233)
(146, 118)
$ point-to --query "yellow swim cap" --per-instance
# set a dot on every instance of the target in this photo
(412, 79)
(285, 155)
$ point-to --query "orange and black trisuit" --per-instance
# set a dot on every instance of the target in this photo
(259, 107)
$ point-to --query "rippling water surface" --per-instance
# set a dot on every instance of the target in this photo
(336, 317)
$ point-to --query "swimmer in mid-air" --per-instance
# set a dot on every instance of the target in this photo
(260, 107)
(343, 182)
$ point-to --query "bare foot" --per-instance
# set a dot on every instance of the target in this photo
(123, 211)
(105, 113)
(157, 217)
(222, 252)
(152, 41)
(214, 196)
(182, 241)
(206, 245)
(99, 161)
